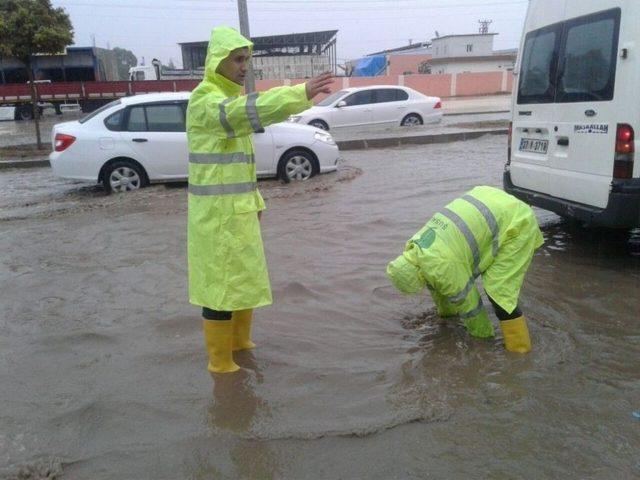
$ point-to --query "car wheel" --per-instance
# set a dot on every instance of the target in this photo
(321, 124)
(297, 165)
(411, 120)
(123, 176)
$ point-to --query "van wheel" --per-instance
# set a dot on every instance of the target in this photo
(411, 120)
(123, 176)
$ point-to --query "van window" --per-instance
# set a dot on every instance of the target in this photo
(539, 66)
(574, 61)
(589, 59)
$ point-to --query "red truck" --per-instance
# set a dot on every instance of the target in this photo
(89, 95)
(83, 76)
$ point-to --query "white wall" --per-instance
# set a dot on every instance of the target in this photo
(456, 46)
(294, 66)
(472, 66)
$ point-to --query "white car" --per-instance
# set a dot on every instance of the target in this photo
(138, 140)
(374, 105)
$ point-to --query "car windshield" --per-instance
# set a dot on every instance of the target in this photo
(331, 98)
(100, 110)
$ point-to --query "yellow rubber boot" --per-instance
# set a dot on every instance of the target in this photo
(242, 330)
(218, 337)
(516, 335)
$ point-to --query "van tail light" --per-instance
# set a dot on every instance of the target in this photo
(63, 141)
(438, 105)
(625, 149)
(509, 135)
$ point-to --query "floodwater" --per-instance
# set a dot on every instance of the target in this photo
(102, 363)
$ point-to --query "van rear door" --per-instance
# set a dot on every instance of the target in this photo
(534, 110)
(585, 128)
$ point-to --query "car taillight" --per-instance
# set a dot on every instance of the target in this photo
(438, 105)
(625, 148)
(509, 134)
(63, 141)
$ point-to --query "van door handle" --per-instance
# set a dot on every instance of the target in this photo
(140, 140)
(564, 141)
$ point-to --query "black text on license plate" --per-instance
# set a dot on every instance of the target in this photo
(533, 145)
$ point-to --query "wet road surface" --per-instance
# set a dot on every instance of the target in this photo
(103, 367)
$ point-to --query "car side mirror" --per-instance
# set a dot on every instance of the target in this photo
(341, 104)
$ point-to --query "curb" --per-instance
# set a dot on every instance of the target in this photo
(23, 163)
(453, 114)
(416, 140)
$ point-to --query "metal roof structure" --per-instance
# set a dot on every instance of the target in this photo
(292, 43)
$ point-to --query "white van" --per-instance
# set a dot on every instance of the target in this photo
(575, 110)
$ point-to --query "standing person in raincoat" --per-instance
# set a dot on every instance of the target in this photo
(227, 268)
(486, 232)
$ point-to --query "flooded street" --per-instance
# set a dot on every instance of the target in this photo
(103, 367)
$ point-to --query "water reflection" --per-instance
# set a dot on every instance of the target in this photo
(235, 405)
(599, 245)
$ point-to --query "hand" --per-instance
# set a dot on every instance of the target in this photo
(259, 215)
(319, 84)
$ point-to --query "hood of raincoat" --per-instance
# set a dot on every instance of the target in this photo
(223, 41)
(405, 274)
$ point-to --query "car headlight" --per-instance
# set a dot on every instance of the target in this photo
(324, 137)
(295, 118)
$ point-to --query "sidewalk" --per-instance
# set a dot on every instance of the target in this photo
(471, 105)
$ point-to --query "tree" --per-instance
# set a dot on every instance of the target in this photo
(29, 27)
(125, 59)
(171, 65)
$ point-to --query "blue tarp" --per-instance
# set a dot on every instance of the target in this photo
(370, 66)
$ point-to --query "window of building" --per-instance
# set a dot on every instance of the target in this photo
(469, 47)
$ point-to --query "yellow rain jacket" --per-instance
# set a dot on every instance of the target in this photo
(486, 232)
(227, 267)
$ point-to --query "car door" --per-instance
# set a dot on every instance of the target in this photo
(157, 134)
(357, 111)
(387, 107)
(264, 152)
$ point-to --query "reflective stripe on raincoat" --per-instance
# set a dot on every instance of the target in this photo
(486, 232)
(227, 267)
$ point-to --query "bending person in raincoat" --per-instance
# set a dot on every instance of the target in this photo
(227, 268)
(486, 232)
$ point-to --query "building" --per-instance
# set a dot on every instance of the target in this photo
(469, 53)
(295, 55)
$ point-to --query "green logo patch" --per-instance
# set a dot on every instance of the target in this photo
(427, 238)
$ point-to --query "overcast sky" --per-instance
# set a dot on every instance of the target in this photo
(153, 28)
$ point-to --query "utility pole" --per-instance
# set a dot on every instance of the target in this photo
(484, 26)
(243, 14)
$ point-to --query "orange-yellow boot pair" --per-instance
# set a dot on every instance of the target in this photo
(223, 337)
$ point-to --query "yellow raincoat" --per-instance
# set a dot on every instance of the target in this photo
(227, 267)
(486, 232)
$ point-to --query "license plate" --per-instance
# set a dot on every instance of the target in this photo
(533, 145)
